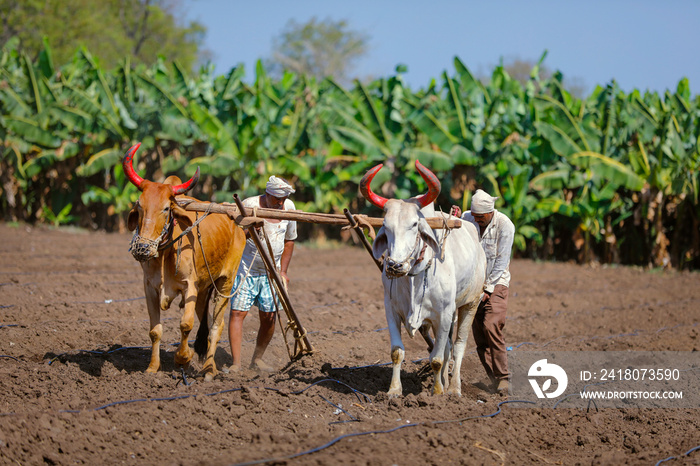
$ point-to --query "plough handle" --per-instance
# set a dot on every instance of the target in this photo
(270, 263)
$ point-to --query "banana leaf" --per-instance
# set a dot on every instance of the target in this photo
(609, 169)
(101, 161)
(30, 131)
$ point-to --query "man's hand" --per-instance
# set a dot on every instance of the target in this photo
(286, 279)
(485, 297)
(456, 211)
(247, 222)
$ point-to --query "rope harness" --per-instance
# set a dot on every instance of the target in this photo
(213, 282)
(144, 249)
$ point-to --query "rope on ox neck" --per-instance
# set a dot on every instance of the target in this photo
(447, 230)
(213, 282)
(187, 230)
(204, 256)
(420, 258)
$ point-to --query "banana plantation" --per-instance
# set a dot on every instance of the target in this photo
(611, 178)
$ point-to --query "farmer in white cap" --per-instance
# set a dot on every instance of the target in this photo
(252, 286)
(496, 233)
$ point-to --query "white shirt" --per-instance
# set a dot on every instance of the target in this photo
(497, 241)
(277, 233)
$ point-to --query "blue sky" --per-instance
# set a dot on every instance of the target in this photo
(643, 44)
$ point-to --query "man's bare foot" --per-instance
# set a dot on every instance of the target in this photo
(262, 366)
(231, 369)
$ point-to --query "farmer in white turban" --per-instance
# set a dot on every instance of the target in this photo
(496, 233)
(252, 286)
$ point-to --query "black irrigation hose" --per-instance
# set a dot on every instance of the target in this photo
(388, 431)
(184, 377)
(181, 397)
(352, 418)
(355, 391)
(677, 457)
(585, 387)
(498, 411)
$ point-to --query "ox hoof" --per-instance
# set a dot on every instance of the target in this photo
(151, 370)
(183, 360)
(394, 393)
(208, 377)
(436, 365)
(453, 391)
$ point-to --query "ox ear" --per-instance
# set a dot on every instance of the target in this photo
(380, 244)
(181, 214)
(173, 180)
(132, 220)
(428, 235)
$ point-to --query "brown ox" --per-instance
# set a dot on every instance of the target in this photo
(189, 266)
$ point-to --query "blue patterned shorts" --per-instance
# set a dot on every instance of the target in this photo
(254, 291)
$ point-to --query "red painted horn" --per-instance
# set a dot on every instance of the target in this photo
(366, 191)
(433, 185)
(187, 185)
(128, 165)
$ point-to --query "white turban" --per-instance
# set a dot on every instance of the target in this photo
(482, 203)
(278, 187)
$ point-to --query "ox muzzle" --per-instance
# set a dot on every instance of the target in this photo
(144, 249)
(398, 269)
(395, 269)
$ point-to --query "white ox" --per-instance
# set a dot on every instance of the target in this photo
(420, 287)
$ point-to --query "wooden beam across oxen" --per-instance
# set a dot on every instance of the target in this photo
(301, 216)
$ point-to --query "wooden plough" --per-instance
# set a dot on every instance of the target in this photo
(246, 217)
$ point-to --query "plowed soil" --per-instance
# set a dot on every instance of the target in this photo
(74, 346)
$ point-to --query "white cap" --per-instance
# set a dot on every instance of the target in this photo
(278, 187)
(482, 203)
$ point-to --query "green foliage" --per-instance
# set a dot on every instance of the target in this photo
(611, 177)
(61, 218)
(111, 29)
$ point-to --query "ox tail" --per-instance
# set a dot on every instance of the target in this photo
(201, 343)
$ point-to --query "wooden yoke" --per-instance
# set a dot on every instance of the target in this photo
(234, 211)
(301, 342)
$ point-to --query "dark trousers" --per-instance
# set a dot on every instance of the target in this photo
(487, 328)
